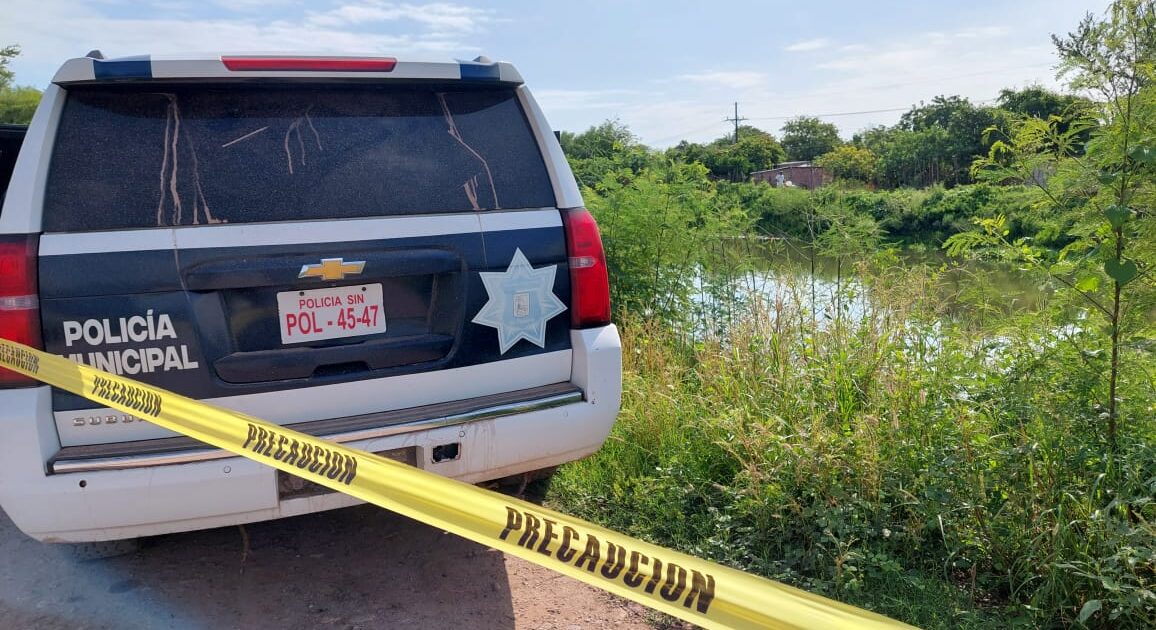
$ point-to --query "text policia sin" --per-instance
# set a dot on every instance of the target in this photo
(316, 459)
(614, 562)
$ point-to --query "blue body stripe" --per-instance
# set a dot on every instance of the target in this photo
(480, 72)
(123, 68)
(216, 324)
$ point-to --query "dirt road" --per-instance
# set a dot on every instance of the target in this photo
(355, 568)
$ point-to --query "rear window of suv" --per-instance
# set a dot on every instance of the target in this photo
(164, 155)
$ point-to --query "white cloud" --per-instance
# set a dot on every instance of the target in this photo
(251, 5)
(569, 100)
(982, 32)
(901, 58)
(863, 82)
(809, 45)
(729, 79)
(439, 16)
(50, 31)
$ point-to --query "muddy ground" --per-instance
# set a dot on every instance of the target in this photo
(359, 567)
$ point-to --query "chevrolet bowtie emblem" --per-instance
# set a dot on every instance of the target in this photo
(332, 269)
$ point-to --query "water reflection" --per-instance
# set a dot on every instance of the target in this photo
(786, 272)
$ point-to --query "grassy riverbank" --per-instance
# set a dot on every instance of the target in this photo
(938, 472)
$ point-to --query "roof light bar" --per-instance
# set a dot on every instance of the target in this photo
(309, 64)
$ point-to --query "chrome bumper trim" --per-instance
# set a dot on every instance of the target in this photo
(63, 463)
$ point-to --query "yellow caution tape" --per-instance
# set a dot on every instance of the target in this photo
(695, 590)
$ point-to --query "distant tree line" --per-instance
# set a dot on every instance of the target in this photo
(17, 104)
(933, 143)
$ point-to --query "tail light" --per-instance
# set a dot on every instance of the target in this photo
(589, 284)
(19, 299)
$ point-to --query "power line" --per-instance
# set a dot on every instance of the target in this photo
(866, 111)
(684, 134)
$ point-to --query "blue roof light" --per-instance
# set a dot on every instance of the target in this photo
(480, 71)
(123, 68)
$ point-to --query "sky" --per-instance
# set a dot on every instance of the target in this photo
(670, 70)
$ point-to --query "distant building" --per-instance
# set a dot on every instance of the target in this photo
(801, 174)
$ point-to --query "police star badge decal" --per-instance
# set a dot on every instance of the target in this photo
(521, 301)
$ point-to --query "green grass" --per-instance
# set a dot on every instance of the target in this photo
(937, 473)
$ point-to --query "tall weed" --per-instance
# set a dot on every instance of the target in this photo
(926, 468)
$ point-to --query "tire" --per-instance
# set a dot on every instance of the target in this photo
(84, 552)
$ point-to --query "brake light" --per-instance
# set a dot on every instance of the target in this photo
(589, 284)
(310, 64)
(19, 299)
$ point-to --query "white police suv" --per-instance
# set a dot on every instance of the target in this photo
(391, 255)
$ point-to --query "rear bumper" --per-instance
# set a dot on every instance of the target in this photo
(143, 499)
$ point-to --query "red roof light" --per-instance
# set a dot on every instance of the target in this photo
(310, 64)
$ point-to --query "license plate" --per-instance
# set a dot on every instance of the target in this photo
(319, 314)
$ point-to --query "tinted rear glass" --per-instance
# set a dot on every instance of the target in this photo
(11, 136)
(160, 155)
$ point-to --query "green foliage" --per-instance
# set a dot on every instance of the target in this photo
(602, 149)
(961, 140)
(1111, 56)
(850, 162)
(7, 54)
(1104, 195)
(806, 138)
(600, 141)
(17, 104)
(942, 474)
(660, 227)
(778, 212)
(908, 158)
(1039, 102)
(908, 215)
(936, 142)
(865, 441)
(755, 150)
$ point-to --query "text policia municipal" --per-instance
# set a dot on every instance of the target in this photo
(135, 329)
(632, 568)
(315, 459)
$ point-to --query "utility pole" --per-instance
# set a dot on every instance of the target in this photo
(736, 120)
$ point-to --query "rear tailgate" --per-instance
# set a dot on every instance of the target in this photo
(298, 253)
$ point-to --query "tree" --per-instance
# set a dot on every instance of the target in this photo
(1108, 193)
(756, 150)
(17, 104)
(963, 125)
(1111, 57)
(601, 149)
(1039, 102)
(7, 54)
(850, 162)
(603, 140)
(806, 138)
(906, 157)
